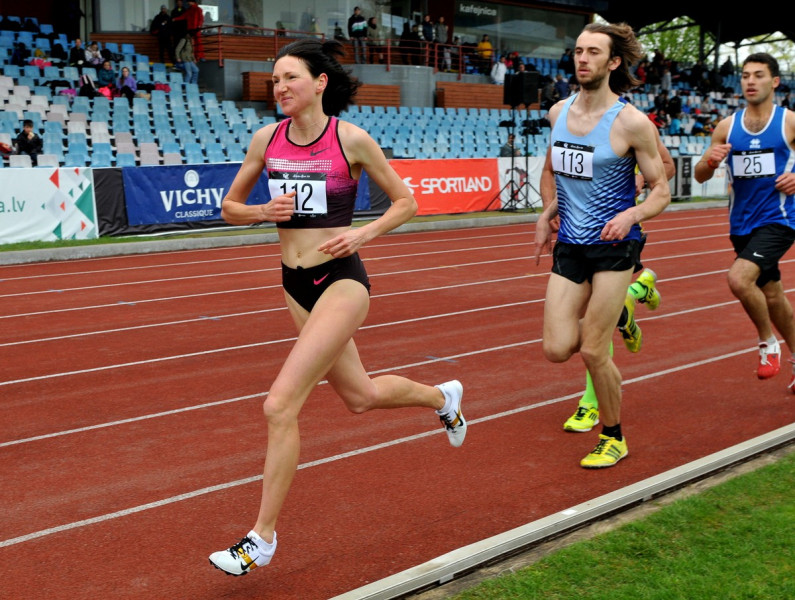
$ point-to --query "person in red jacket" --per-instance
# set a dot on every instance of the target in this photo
(194, 17)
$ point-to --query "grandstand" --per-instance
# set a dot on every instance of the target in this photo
(186, 125)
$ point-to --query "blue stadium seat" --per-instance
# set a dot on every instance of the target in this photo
(235, 152)
(101, 160)
(216, 156)
(71, 73)
(170, 147)
(13, 71)
(125, 159)
(76, 159)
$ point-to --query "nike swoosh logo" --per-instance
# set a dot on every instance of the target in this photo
(759, 255)
(319, 281)
(315, 152)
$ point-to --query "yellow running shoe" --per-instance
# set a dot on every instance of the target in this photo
(583, 420)
(633, 336)
(607, 453)
(645, 289)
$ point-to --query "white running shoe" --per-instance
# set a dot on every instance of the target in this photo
(453, 420)
(248, 554)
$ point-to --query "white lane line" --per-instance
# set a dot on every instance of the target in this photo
(344, 455)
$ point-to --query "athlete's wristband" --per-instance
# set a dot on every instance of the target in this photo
(712, 166)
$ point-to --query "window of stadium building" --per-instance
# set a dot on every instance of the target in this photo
(531, 32)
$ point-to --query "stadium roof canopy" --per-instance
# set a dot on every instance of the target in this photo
(727, 26)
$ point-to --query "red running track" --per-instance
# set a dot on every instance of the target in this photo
(132, 434)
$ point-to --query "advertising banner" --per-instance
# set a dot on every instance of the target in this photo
(181, 193)
(451, 186)
(46, 204)
(519, 182)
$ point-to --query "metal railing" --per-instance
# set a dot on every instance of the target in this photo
(452, 58)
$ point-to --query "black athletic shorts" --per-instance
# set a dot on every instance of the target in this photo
(764, 247)
(306, 285)
(578, 262)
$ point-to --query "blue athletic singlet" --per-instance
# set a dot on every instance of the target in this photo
(593, 183)
(755, 160)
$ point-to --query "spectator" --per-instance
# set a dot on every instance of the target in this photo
(561, 87)
(675, 126)
(127, 85)
(338, 33)
(641, 70)
(666, 82)
(656, 119)
(30, 25)
(484, 51)
(727, 68)
(58, 55)
(161, 27)
(410, 44)
(179, 28)
(427, 31)
(441, 32)
(661, 100)
(566, 62)
(20, 55)
(549, 95)
(498, 71)
(194, 18)
(674, 105)
(94, 56)
(510, 148)
(29, 142)
(106, 75)
(185, 55)
(455, 53)
(698, 126)
(375, 41)
(77, 56)
(357, 32)
(513, 61)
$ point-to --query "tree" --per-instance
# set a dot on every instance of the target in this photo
(677, 39)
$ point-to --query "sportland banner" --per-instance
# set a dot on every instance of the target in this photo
(451, 186)
(47, 204)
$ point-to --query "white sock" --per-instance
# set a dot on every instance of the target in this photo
(253, 535)
(771, 341)
(448, 404)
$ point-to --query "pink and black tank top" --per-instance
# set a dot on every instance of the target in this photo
(319, 173)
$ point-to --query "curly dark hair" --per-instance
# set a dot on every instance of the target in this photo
(625, 45)
(320, 57)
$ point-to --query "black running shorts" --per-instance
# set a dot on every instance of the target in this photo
(305, 286)
(578, 263)
(764, 247)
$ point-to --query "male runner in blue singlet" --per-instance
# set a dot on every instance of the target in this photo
(596, 142)
(758, 143)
